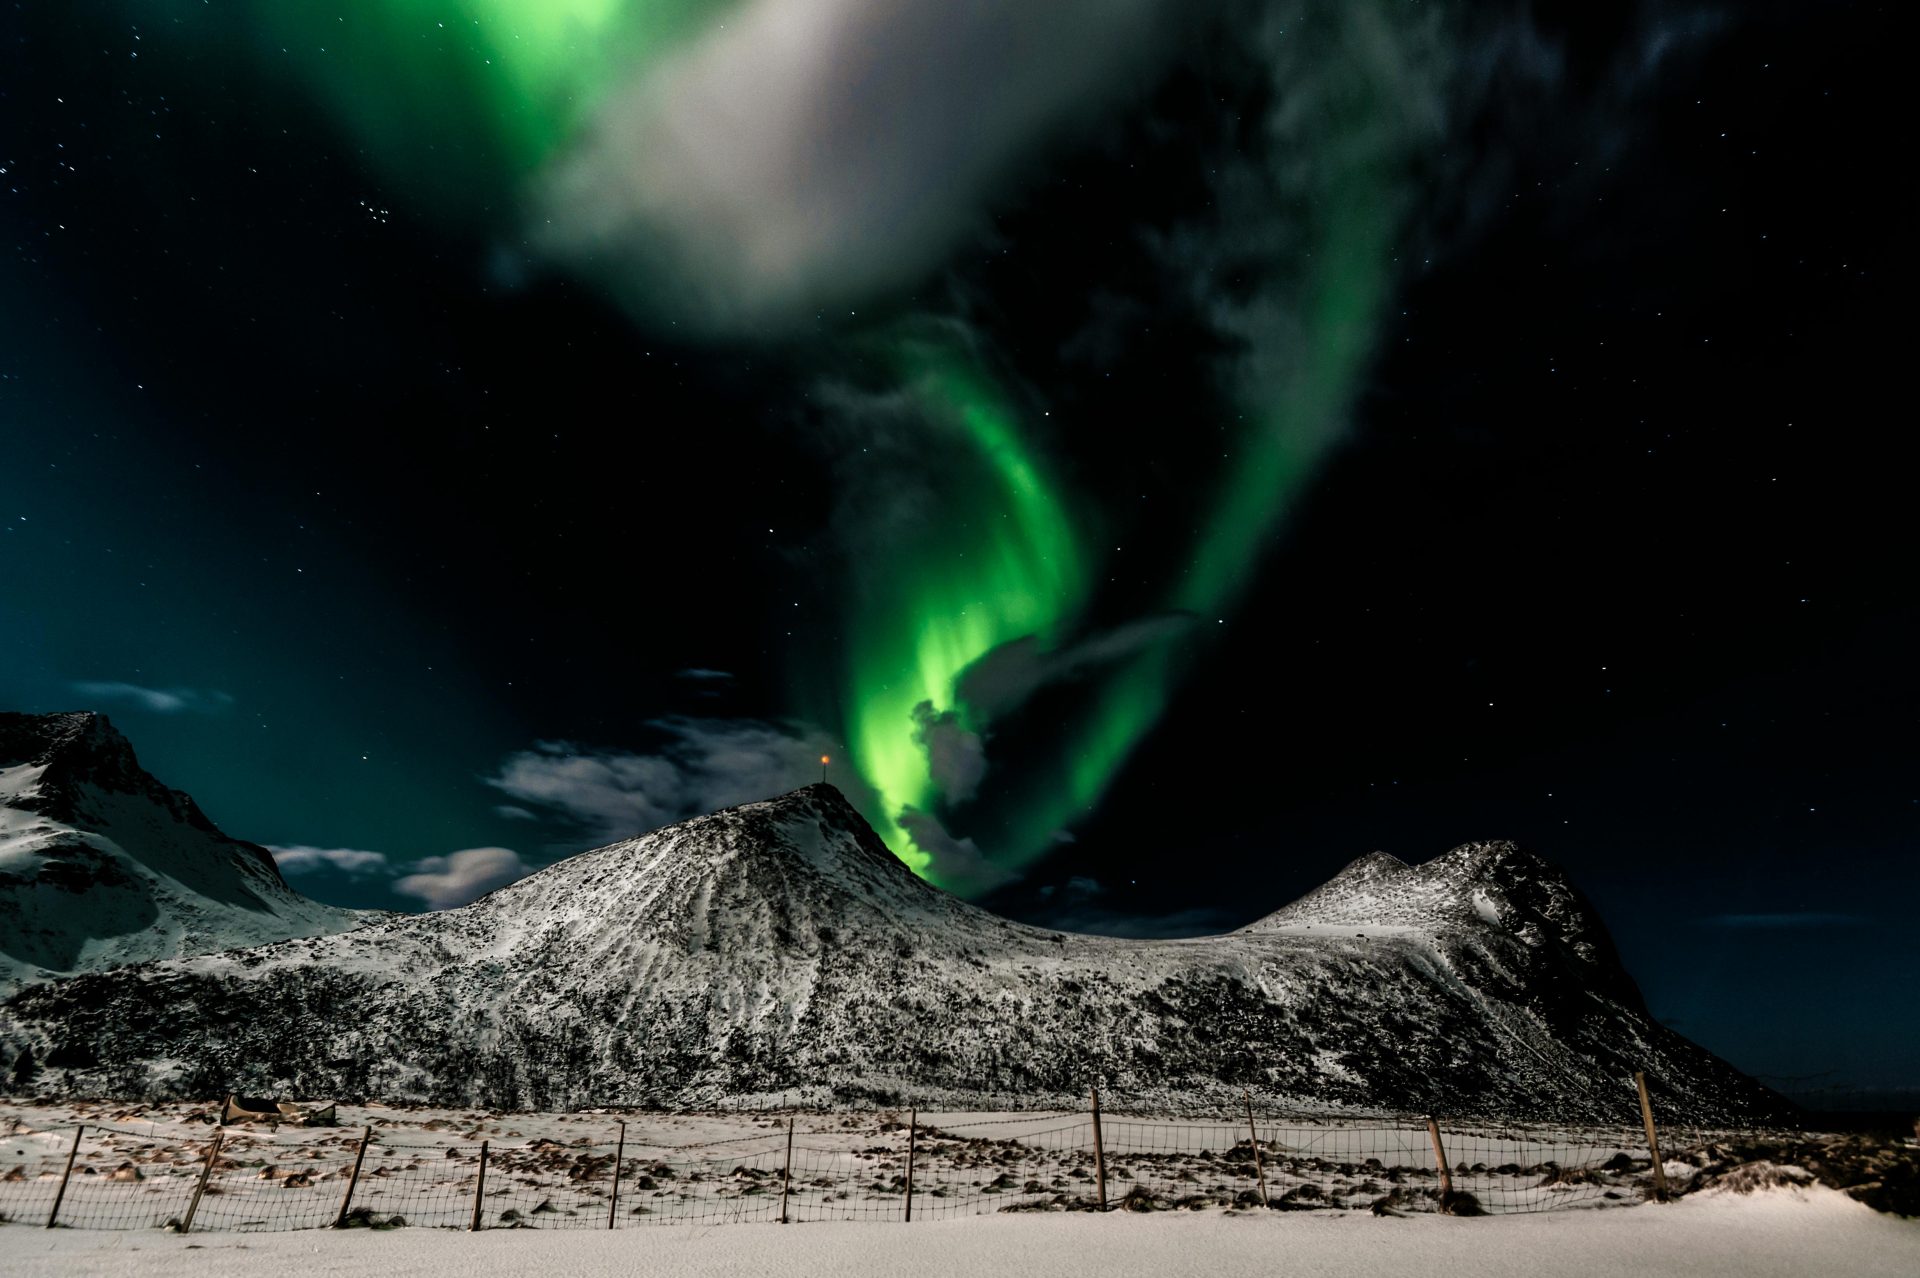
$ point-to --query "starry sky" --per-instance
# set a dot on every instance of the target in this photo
(1157, 452)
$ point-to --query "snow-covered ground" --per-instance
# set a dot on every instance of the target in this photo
(1772, 1232)
(137, 1168)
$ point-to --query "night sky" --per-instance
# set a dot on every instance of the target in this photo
(1159, 452)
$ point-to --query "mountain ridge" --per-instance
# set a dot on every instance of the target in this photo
(777, 949)
(101, 864)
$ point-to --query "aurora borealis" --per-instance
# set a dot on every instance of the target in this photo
(475, 92)
(998, 560)
(1002, 558)
(1157, 451)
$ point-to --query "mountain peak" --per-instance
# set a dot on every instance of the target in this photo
(1492, 884)
(81, 756)
(43, 738)
(748, 873)
(1457, 886)
(101, 863)
(779, 948)
(1373, 867)
(817, 800)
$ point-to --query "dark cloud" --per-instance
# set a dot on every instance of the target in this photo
(957, 863)
(1007, 676)
(1112, 325)
(956, 757)
(894, 461)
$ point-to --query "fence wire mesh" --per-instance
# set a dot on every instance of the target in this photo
(421, 1185)
(284, 1180)
(824, 1167)
(120, 1179)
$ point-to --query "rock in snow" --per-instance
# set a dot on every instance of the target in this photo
(778, 950)
(101, 865)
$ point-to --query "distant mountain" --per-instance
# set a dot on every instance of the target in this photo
(101, 865)
(778, 949)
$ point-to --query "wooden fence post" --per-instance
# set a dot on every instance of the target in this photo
(786, 1171)
(61, 1192)
(1653, 1138)
(346, 1200)
(913, 1132)
(1099, 1153)
(213, 1153)
(479, 1189)
(1440, 1158)
(1259, 1167)
(619, 1152)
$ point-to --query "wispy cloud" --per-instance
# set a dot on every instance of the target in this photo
(708, 684)
(355, 862)
(155, 700)
(445, 882)
(1013, 672)
(1807, 919)
(442, 882)
(958, 864)
(701, 765)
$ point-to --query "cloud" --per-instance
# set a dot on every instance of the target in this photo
(445, 882)
(355, 862)
(1077, 889)
(1007, 676)
(710, 685)
(956, 758)
(700, 766)
(156, 700)
(957, 863)
(1792, 920)
(809, 154)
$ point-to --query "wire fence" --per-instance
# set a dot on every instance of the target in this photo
(815, 1167)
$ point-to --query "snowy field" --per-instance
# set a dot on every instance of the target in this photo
(1771, 1232)
(140, 1168)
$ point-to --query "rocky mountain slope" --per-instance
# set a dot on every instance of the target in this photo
(779, 950)
(101, 865)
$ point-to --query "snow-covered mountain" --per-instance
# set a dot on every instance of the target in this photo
(778, 949)
(101, 865)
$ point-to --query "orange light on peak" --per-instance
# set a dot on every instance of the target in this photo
(824, 760)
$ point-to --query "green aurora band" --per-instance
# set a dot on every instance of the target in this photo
(1002, 563)
(451, 96)
(1019, 571)
(455, 98)
(1350, 221)
(1278, 456)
